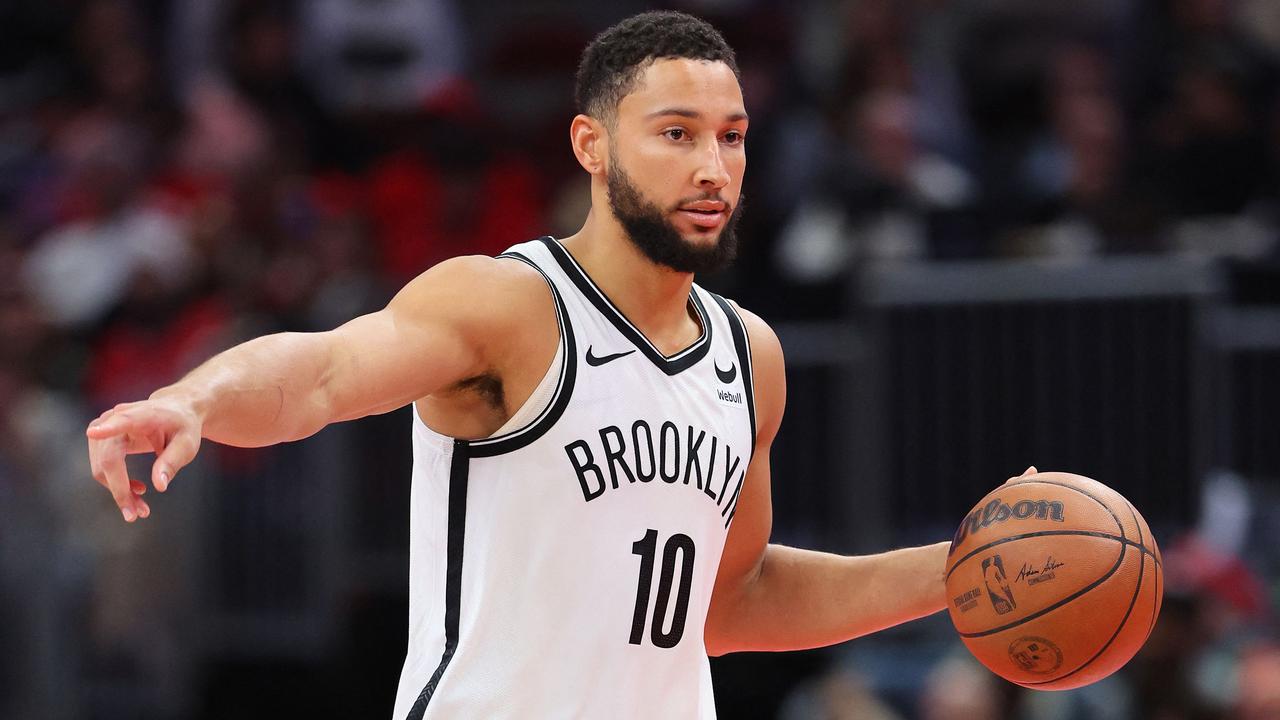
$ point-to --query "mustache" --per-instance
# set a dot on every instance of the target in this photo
(710, 197)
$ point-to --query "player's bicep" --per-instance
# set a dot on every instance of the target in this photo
(748, 537)
(752, 524)
(431, 335)
(742, 559)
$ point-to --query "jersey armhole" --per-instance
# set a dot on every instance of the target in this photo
(501, 442)
(742, 346)
(552, 402)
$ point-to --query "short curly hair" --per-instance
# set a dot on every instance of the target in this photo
(612, 63)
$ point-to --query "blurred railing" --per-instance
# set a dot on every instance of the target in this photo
(1095, 368)
(960, 375)
(1246, 353)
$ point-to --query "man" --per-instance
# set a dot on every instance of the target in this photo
(590, 506)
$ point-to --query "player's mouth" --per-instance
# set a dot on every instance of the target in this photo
(705, 214)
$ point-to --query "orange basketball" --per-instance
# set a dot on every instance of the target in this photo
(1054, 581)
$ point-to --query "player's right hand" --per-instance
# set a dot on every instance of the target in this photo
(167, 427)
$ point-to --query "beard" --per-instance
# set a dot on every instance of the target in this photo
(648, 228)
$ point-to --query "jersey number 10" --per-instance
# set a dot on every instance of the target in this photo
(646, 547)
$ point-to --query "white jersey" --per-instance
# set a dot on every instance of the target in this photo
(563, 569)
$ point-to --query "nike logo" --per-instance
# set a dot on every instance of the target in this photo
(594, 361)
(726, 376)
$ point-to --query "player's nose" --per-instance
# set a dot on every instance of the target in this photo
(712, 171)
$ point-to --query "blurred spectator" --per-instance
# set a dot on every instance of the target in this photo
(959, 689)
(223, 139)
(451, 192)
(1166, 675)
(1202, 94)
(1258, 684)
(1207, 142)
(883, 193)
(385, 56)
(836, 696)
(1260, 21)
(81, 270)
(234, 55)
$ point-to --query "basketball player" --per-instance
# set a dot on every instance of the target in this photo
(590, 506)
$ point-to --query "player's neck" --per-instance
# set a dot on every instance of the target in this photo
(654, 297)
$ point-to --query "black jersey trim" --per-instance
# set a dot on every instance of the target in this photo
(521, 437)
(742, 344)
(672, 364)
(456, 534)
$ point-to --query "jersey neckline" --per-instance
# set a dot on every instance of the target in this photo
(670, 364)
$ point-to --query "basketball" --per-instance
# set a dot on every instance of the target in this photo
(1054, 581)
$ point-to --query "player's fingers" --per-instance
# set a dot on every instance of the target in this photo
(181, 449)
(95, 462)
(142, 431)
(112, 424)
(137, 487)
(116, 479)
(1025, 473)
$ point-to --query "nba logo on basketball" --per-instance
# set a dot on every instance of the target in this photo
(998, 585)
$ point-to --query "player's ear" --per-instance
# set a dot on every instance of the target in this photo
(589, 141)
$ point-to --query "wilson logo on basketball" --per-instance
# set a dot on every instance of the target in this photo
(997, 511)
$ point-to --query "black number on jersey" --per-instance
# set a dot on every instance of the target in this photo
(646, 547)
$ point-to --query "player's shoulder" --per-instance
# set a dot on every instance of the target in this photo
(482, 272)
(484, 294)
(766, 349)
(768, 369)
(483, 280)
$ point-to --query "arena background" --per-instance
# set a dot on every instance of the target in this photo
(989, 233)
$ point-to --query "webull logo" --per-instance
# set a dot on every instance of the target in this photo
(729, 397)
(997, 511)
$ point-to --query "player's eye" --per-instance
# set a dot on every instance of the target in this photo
(676, 134)
(733, 137)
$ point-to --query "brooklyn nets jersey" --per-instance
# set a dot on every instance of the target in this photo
(563, 568)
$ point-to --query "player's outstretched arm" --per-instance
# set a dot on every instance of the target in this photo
(771, 597)
(288, 386)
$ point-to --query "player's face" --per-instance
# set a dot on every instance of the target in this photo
(677, 156)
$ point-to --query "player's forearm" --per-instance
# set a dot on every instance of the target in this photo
(264, 391)
(805, 599)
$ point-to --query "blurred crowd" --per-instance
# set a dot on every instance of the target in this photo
(176, 176)
(171, 171)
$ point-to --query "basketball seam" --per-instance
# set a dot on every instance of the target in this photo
(1142, 567)
(1155, 599)
(1043, 533)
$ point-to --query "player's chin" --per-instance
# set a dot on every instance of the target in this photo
(702, 239)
